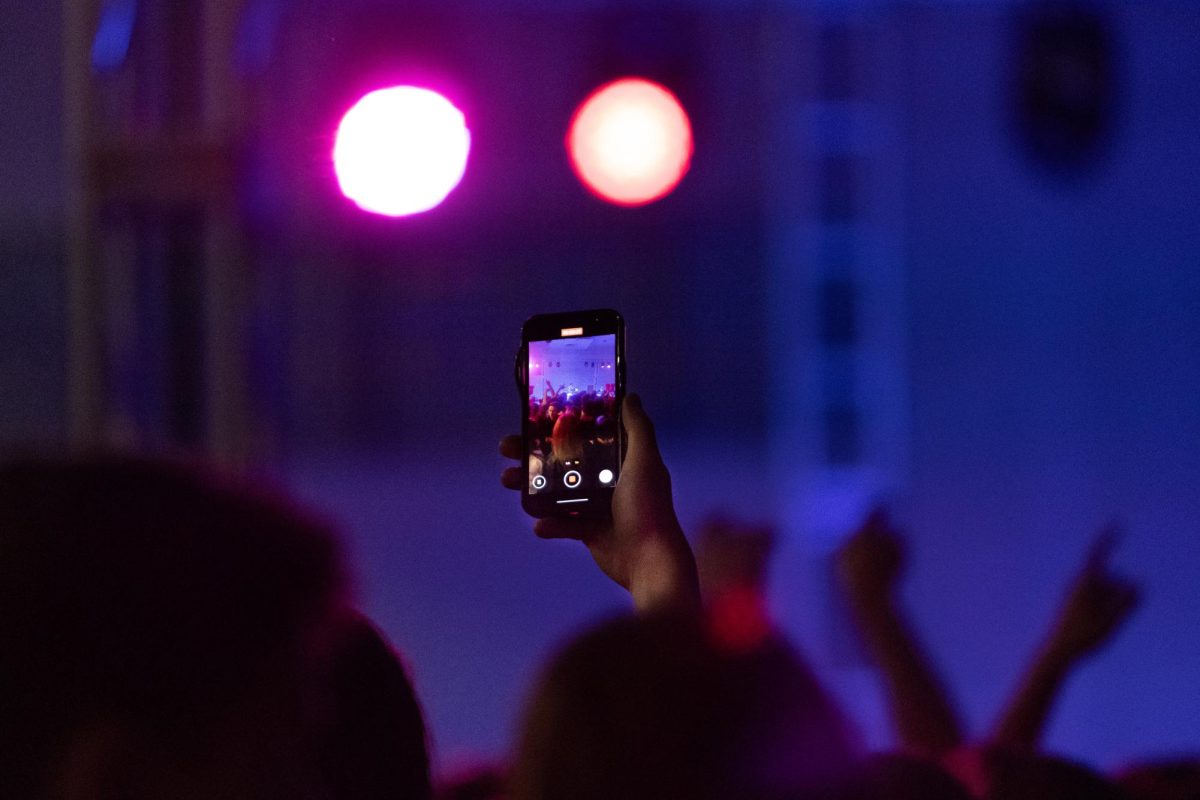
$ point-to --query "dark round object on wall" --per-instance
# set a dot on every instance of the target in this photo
(1065, 84)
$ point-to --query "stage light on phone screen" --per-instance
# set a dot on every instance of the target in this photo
(400, 150)
(630, 142)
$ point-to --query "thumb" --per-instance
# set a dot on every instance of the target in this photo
(643, 444)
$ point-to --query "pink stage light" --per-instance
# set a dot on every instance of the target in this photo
(401, 150)
(630, 142)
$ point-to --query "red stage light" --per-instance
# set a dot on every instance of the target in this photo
(401, 150)
(630, 142)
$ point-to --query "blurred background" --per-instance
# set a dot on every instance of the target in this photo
(945, 254)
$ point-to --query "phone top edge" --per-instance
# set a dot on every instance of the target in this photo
(560, 318)
(584, 312)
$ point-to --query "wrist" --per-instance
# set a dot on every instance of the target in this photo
(663, 575)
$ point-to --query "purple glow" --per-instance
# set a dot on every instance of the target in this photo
(401, 151)
(572, 364)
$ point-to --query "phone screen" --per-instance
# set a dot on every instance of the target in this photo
(571, 434)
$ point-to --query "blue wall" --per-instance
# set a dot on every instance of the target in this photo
(1056, 375)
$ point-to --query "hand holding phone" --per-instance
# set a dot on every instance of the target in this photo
(638, 542)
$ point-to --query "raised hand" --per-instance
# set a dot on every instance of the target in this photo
(871, 563)
(733, 555)
(1097, 604)
(640, 544)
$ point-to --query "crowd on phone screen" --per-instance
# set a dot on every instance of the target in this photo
(567, 427)
(167, 632)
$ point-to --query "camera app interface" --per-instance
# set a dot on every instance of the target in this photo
(572, 429)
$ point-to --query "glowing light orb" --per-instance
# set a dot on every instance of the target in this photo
(630, 142)
(400, 150)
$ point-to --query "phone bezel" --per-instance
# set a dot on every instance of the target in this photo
(544, 327)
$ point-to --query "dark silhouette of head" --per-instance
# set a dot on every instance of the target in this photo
(159, 632)
(901, 777)
(476, 782)
(1005, 773)
(1166, 779)
(650, 707)
(374, 747)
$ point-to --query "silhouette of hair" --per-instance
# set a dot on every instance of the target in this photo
(902, 777)
(478, 782)
(1004, 773)
(143, 591)
(649, 708)
(375, 746)
(565, 439)
(1170, 779)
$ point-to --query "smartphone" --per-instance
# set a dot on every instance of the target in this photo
(571, 379)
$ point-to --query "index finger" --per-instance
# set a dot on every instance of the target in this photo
(512, 447)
